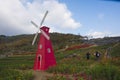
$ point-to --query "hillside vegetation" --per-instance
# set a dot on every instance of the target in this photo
(70, 52)
(22, 43)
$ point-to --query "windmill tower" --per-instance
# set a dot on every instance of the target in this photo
(45, 55)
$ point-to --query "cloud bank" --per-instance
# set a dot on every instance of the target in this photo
(15, 16)
(97, 34)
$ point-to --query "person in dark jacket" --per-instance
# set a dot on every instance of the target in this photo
(97, 54)
(88, 55)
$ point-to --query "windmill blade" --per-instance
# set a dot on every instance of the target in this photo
(35, 37)
(34, 24)
(46, 36)
(43, 18)
(36, 33)
(40, 29)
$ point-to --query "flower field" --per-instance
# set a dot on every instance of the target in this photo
(79, 68)
(71, 65)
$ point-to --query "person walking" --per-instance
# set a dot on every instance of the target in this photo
(97, 54)
(88, 55)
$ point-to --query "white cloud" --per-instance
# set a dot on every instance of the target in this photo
(15, 16)
(115, 34)
(97, 34)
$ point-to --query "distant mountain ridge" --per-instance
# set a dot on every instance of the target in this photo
(105, 40)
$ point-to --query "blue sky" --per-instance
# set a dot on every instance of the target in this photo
(96, 15)
(96, 18)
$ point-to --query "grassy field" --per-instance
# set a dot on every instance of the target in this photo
(16, 68)
(79, 68)
(71, 65)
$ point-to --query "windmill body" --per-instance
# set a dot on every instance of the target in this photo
(45, 54)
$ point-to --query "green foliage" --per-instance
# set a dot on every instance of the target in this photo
(57, 77)
(13, 74)
(105, 72)
(20, 62)
(13, 68)
(115, 50)
(61, 40)
(98, 70)
(22, 43)
(66, 65)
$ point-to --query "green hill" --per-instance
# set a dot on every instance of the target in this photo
(22, 43)
(71, 63)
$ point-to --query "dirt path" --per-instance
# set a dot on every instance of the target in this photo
(41, 75)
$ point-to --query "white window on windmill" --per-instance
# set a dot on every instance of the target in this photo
(40, 46)
(46, 29)
(48, 49)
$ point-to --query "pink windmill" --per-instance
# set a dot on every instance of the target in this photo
(45, 55)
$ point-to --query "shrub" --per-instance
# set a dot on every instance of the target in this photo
(105, 72)
(12, 74)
